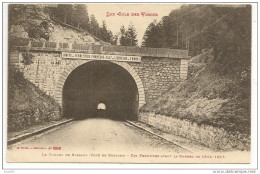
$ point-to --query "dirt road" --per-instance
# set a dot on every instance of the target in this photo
(99, 135)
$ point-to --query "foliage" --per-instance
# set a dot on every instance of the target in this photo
(218, 93)
(129, 36)
(196, 27)
(38, 32)
(105, 33)
(27, 58)
(77, 15)
(14, 11)
(64, 12)
(94, 26)
(80, 16)
(72, 14)
(24, 15)
(122, 35)
(154, 36)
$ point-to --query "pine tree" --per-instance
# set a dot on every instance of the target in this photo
(170, 28)
(154, 36)
(147, 35)
(64, 13)
(94, 26)
(128, 37)
(80, 16)
(105, 35)
(114, 39)
(77, 15)
(122, 35)
(131, 36)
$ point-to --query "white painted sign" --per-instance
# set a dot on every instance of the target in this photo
(67, 55)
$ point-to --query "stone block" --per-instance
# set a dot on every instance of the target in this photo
(37, 44)
(52, 45)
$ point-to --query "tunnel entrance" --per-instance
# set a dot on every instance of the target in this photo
(100, 82)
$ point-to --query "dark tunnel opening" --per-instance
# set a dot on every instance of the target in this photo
(98, 82)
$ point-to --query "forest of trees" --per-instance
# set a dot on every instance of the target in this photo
(77, 16)
(222, 34)
(128, 37)
(192, 27)
(196, 27)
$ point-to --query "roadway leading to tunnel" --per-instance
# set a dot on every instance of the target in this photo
(97, 135)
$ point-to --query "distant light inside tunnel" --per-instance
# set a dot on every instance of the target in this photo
(101, 106)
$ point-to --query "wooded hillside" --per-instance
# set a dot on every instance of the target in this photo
(218, 89)
(196, 27)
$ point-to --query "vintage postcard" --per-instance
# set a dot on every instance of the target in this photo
(129, 83)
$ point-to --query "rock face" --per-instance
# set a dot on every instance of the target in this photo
(32, 22)
(18, 31)
(62, 34)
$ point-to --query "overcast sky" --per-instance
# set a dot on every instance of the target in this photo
(115, 22)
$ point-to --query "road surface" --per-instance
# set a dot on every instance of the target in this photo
(98, 135)
(93, 140)
(104, 140)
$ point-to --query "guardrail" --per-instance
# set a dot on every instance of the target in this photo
(26, 43)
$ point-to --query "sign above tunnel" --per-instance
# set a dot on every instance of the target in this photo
(67, 55)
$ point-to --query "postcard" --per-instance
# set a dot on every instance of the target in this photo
(129, 83)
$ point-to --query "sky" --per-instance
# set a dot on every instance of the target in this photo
(140, 22)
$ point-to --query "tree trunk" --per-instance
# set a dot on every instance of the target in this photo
(177, 40)
(65, 19)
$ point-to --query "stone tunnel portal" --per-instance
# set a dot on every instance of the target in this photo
(98, 82)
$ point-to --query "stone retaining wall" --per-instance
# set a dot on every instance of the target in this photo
(213, 137)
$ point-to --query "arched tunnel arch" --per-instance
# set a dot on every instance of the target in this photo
(97, 82)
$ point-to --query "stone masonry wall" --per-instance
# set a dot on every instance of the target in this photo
(157, 74)
(209, 136)
(45, 70)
